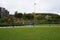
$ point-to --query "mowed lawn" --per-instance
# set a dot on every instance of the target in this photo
(47, 25)
(30, 33)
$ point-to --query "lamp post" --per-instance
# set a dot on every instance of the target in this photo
(34, 13)
(34, 6)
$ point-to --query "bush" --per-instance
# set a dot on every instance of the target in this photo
(11, 24)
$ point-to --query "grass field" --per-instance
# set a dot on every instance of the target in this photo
(30, 33)
(48, 25)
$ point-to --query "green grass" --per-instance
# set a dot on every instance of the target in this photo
(30, 33)
(47, 25)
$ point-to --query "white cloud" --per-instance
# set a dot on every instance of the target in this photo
(52, 6)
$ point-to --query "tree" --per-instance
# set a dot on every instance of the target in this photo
(29, 16)
(24, 16)
(18, 15)
(11, 20)
(5, 19)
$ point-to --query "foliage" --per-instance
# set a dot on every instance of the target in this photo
(31, 18)
(18, 15)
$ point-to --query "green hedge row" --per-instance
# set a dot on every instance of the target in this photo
(10, 24)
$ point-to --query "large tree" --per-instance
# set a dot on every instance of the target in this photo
(18, 15)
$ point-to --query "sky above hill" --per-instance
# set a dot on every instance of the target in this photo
(27, 6)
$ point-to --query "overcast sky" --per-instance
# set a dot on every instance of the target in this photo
(47, 6)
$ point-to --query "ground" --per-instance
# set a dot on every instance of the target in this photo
(30, 33)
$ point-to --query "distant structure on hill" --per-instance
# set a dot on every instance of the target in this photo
(3, 12)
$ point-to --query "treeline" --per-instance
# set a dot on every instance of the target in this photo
(19, 19)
